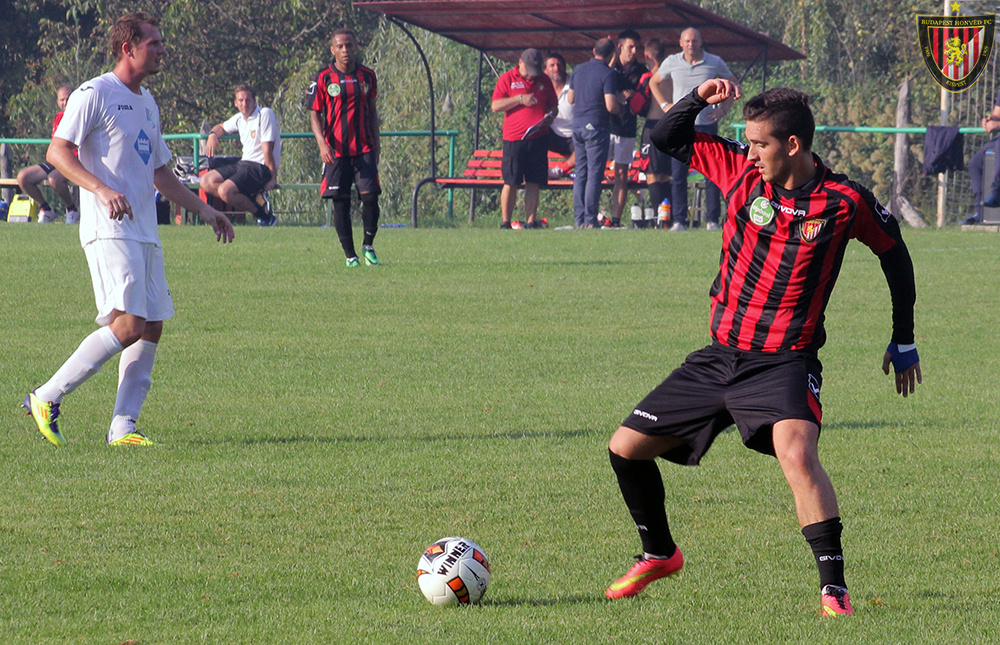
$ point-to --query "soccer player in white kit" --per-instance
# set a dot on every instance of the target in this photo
(114, 124)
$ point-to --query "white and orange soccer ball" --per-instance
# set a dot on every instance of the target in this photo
(453, 571)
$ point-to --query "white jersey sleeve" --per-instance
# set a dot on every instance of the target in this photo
(232, 124)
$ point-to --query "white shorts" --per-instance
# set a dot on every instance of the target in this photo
(622, 150)
(129, 276)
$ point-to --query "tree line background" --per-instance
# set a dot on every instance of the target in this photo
(858, 52)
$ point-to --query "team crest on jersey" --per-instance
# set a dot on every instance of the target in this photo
(956, 49)
(364, 89)
(761, 211)
(144, 147)
(333, 89)
(809, 229)
(149, 118)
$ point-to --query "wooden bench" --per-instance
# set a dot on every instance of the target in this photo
(484, 171)
(8, 187)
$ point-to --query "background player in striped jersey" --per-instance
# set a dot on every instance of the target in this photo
(344, 121)
(789, 221)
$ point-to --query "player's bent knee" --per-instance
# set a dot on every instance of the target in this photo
(632, 444)
(228, 191)
(26, 176)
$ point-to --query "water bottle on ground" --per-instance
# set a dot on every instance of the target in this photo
(637, 216)
(664, 213)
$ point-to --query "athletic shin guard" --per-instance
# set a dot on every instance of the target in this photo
(642, 489)
(342, 222)
(369, 217)
(824, 539)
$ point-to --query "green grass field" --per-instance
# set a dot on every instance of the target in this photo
(318, 427)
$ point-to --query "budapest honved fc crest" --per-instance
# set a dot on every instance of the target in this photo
(956, 49)
(809, 229)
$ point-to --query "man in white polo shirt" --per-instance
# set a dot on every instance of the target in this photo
(257, 172)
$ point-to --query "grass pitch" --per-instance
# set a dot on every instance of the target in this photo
(319, 426)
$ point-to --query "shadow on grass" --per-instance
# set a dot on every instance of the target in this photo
(438, 438)
(855, 425)
(582, 263)
(578, 599)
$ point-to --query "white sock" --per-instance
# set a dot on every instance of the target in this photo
(120, 426)
(93, 352)
(135, 369)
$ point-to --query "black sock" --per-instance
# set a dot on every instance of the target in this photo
(70, 206)
(642, 489)
(369, 217)
(655, 196)
(342, 222)
(824, 539)
(658, 192)
(44, 207)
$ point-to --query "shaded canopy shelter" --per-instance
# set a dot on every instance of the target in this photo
(505, 28)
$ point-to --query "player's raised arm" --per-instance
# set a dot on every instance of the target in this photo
(718, 90)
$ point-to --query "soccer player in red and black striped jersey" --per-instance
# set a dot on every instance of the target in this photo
(344, 121)
(789, 221)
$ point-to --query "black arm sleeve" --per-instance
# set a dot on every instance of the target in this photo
(674, 133)
(898, 269)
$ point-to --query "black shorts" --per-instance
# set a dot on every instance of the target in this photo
(718, 386)
(656, 162)
(525, 162)
(359, 170)
(250, 177)
(47, 167)
(562, 146)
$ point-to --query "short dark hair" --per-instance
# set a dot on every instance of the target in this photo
(604, 47)
(128, 29)
(556, 55)
(657, 47)
(243, 87)
(344, 31)
(786, 110)
(630, 34)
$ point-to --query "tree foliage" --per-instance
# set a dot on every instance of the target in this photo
(857, 54)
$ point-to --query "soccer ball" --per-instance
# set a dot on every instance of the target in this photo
(453, 571)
